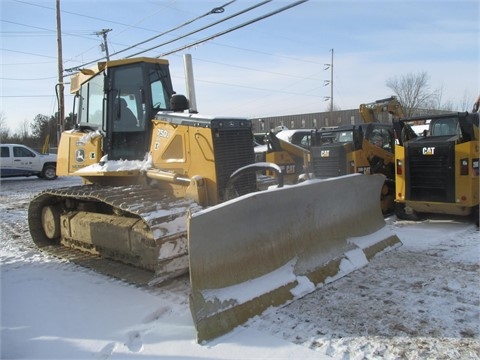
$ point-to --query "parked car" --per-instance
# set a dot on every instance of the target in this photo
(20, 160)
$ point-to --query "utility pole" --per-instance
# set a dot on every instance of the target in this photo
(104, 45)
(330, 82)
(60, 85)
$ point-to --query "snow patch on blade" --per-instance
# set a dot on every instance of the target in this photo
(304, 287)
(246, 291)
(364, 242)
(354, 260)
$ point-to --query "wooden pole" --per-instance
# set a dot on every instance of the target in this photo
(61, 99)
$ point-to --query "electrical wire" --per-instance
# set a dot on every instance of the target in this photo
(203, 28)
(233, 29)
(215, 10)
(80, 15)
(53, 32)
(263, 71)
(16, 79)
(28, 53)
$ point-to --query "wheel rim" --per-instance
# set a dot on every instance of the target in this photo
(51, 222)
(50, 173)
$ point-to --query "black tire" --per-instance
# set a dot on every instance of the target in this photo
(403, 215)
(49, 172)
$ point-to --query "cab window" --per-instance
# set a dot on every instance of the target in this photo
(5, 152)
(22, 152)
(91, 102)
(444, 127)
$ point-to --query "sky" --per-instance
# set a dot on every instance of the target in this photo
(279, 65)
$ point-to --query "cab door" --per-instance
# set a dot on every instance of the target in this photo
(24, 161)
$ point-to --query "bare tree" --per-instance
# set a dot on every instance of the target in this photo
(414, 93)
(467, 103)
(4, 131)
(23, 130)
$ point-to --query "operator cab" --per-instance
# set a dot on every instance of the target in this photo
(445, 127)
(120, 101)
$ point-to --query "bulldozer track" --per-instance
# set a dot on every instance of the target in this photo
(163, 214)
(136, 199)
(111, 268)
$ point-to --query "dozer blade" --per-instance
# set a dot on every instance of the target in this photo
(267, 248)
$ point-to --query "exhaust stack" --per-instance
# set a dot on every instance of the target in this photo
(187, 63)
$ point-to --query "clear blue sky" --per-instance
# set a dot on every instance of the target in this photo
(272, 67)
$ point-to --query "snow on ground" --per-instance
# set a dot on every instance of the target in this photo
(419, 301)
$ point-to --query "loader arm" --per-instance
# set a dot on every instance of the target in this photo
(371, 112)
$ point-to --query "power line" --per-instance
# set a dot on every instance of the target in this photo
(257, 70)
(204, 27)
(53, 32)
(233, 29)
(257, 88)
(16, 79)
(28, 63)
(216, 10)
(80, 15)
(267, 53)
(28, 53)
(25, 96)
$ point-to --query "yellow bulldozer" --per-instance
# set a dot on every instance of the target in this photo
(167, 191)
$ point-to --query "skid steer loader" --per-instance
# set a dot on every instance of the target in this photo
(437, 172)
(167, 191)
(366, 148)
(293, 159)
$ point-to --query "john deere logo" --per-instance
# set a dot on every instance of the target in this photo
(80, 155)
(428, 151)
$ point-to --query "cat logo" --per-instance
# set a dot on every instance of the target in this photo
(325, 153)
(366, 170)
(428, 151)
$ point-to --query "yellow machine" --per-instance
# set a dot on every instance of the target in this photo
(292, 159)
(365, 148)
(168, 191)
(383, 110)
(438, 172)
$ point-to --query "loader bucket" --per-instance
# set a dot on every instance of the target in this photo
(267, 248)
